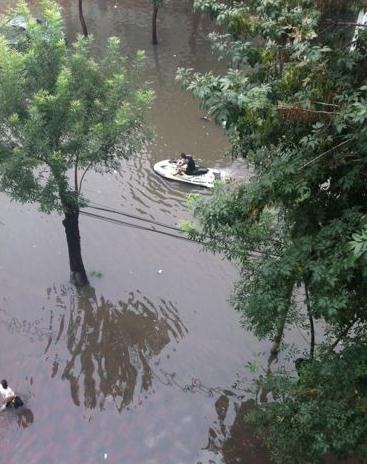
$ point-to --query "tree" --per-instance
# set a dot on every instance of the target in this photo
(62, 113)
(156, 5)
(293, 102)
(81, 18)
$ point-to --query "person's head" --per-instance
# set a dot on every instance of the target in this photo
(4, 384)
(189, 156)
(183, 155)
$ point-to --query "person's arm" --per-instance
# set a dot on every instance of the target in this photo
(10, 395)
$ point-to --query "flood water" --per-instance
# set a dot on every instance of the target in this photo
(148, 366)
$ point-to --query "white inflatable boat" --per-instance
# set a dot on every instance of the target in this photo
(203, 177)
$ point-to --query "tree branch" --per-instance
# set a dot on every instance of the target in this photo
(346, 23)
(343, 334)
(83, 175)
(310, 318)
(280, 330)
(306, 110)
(76, 189)
(325, 104)
(326, 153)
(82, 20)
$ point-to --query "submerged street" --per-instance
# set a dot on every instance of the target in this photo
(148, 365)
(122, 340)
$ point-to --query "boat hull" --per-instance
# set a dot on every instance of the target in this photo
(168, 169)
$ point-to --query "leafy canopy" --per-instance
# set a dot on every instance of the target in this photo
(62, 110)
(293, 103)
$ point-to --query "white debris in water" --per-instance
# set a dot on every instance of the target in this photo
(160, 271)
(105, 456)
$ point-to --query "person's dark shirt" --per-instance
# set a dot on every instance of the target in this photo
(190, 167)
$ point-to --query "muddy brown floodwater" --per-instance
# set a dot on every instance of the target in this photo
(148, 366)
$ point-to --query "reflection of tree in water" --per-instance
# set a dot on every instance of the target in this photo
(25, 418)
(231, 437)
(231, 440)
(31, 330)
(110, 347)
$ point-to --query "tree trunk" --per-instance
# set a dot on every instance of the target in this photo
(78, 275)
(274, 351)
(82, 20)
(280, 330)
(312, 326)
(154, 26)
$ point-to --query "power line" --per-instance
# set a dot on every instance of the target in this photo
(254, 253)
(132, 216)
(106, 208)
(135, 226)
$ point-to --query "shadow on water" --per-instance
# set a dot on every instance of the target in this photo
(25, 418)
(110, 347)
(109, 354)
(230, 438)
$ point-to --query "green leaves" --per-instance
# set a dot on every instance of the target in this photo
(358, 243)
(323, 412)
(62, 110)
(293, 103)
(232, 100)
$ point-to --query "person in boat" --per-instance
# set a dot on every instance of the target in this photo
(181, 161)
(180, 164)
(188, 167)
(6, 395)
(8, 399)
